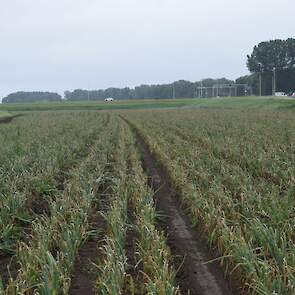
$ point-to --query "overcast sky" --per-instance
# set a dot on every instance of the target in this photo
(62, 45)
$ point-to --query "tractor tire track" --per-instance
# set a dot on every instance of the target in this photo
(6, 120)
(84, 274)
(134, 273)
(194, 277)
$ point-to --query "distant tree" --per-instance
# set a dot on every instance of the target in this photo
(268, 55)
(251, 81)
(181, 88)
(67, 94)
(21, 97)
(275, 54)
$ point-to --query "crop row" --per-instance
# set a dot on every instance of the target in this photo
(151, 249)
(35, 156)
(235, 177)
(46, 257)
(63, 162)
(131, 195)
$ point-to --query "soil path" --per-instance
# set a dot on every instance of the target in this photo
(8, 268)
(134, 272)
(83, 278)
(9, 119)
(85, 273)
(194, 277)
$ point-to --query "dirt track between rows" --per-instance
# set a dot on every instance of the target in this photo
(6, 120)
(195, 276)
(84, 275)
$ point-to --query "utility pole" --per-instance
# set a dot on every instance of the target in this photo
(260, 79)
(88, 94)
(217, 87)
(201, 88)
(260, 84)
(274, 82)
(173, 91)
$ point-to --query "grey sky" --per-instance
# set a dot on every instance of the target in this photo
(61, 45)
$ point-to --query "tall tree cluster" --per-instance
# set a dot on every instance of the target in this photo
(267, 57)
(278, 54)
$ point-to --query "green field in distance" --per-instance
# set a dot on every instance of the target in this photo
(4, 114)
(229, 103)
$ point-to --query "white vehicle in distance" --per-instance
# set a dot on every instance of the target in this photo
(293, 95)
(280, 94)
(109, 99)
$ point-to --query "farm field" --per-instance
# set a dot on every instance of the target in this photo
(193, 200)
(226, 102)
(4, 114)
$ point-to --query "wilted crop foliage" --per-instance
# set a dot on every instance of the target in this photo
(129, 188)
(35, 154)
(235, 173)
(53, 167)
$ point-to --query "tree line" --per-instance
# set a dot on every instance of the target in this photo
(34, 96)
(178, 89)
(267, 58)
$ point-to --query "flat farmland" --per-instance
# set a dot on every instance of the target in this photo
(135, 104)
(182, 200)
(4, 115)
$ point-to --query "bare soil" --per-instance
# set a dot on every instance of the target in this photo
(85, 272)
(190, 253)
(134, 273)
(83, 278)
(8, 268)
(6, 120)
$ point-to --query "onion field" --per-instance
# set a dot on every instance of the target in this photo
(178, 201)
